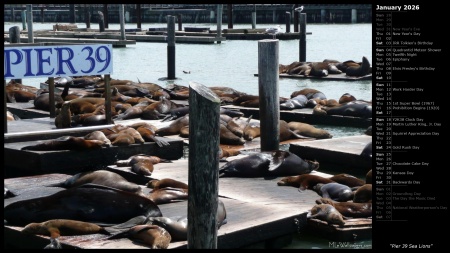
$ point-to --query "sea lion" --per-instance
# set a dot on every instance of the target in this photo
(363, 194)
(62, 227)
(67, 143)
(369, 177)
(175, 113)
(237, 125)
(297, 102)
(334, 191)
(64, 119)
(309, 93)
(42, 101)
(100, 204)
(168, 195)
(252, 130)
(148, 133)
(349, 209)
(231, 112)
(268, 163)
(347, 180)
(361, 70)
(100, 177)
(346, 97)
(98, 135)
(174, 127)
(303, 182)
(308, 130)
(152, 235)
(158, 110)
(133, 112)
(141, 157)
(367, 151)
(303, 69)
(229, 138)
(368, 131)
(327, 213)
(156, 184)
(287, 134)
(11, 117)
(8, 193)
(348, 109)
(126, 137)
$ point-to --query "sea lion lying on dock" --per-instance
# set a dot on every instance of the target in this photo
(334, 191)
(327, 213)
(349, 209)
(67, 143)
(303, 182)
(347, 180)
(152, 235)
(308, 130)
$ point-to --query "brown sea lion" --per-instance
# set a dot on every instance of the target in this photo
(303, 182)
(369, 177)
(287, 134)
(126, 137)
(96, 120)
(168, 195)
(62, 227)
(114, 129)
(308, 130)
(229, 138)
(100, 177)
(327, 213)
(319, 69)
(334, 191)
(11, 117)
(144, 168)
(308, 92)
(268, 164)
(85, 104)
(152, 235)
(156, 184)
(148, 133)
(98, 135)
(100, 204)
(363, 194)
(174, 127)
(349, 209)
(133, 112)
(141, 157)
(237, 125)
(303, 69)
(346, 97)
(361, 70)
(184, 132)
(64, 117)
(157, 110)
(67, 143)
(347, 180)
(42, 101)
(252, 130)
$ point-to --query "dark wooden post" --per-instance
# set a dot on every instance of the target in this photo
(203, 176)
(51, 96)
(42, 14)
(24, 19)
(122, 22)
(101, 21)
(87, 15)
(302, 40)
(170, 47)
(295, 19)
(108, 99)
(138, 16)
(219, 22)
(13, 17)
(269, 100)
(30, 23)
(5, 113)
(14, 34)
(105, 12)
(180, 23)
(72, 16)
(254, 17)
(288, 22)
(230, 16)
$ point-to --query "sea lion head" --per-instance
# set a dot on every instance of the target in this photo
(313, 165)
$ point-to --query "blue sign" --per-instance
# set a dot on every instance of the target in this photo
(52, 61)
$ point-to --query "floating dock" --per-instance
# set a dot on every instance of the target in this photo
(343, 151)
(306, 115)
(331, 77)
(258, 210)
(114, 42)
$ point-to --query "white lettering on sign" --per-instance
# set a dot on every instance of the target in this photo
(51, 61)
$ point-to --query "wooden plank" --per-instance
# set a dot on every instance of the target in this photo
(331, 77)
(354, 229)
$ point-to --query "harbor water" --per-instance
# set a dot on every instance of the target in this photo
(233, 63)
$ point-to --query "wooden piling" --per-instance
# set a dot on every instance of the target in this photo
(295, 19)
(269, 100)
(203, 176)
(105, 12)
(180, 23)
(30, 23)
(42, 14)
(302, 41)
(101, 22)
(24, 19)
(122, 22)
(13, 17)
(219, 22)
(230, 16)
(254, 19)
(138, 16)
(288, 22)
(51, 96)
(87, 15)
(108, 114)
(72, 16)
(170, 47)
(14, 34)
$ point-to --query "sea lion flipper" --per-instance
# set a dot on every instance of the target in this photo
(54, 244)
(299, 136)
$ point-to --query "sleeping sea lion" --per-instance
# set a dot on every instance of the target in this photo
(308, 130)
(156, 184)
(303, 182)
(67, 143)
(327, 213)
(334, 191)
(152, 235)
(347, 180)
(349, 209)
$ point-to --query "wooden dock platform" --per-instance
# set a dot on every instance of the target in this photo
(113, 42)
(257, 209)
(306, 115)
(344, 151)
(331, 77)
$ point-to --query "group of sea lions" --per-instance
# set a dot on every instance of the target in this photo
(326, 67)
(103, 202)
(343, 196)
